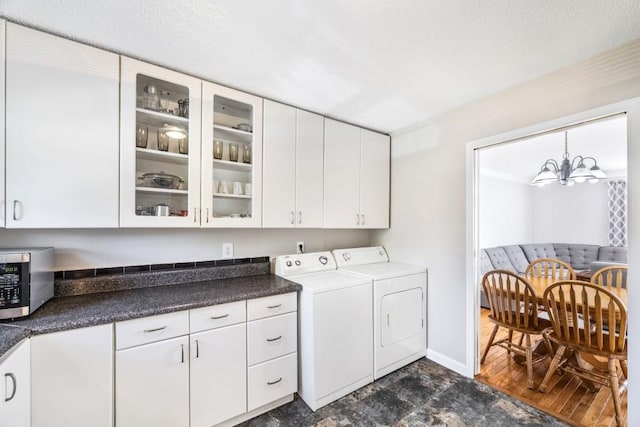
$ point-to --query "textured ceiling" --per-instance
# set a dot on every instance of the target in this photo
(520, 161)
(384, 64)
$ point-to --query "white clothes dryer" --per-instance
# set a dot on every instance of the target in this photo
(335, 324)
(399, 306)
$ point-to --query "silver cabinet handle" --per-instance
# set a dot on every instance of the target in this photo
(15, 385)
(299, 217)
(219, 317)
(292, 217)
(274, 382)
(274, 339)
(362, 222)
(195, 214)
(207, 215)
(16, 203)
(274, 306)
(156, 329)
(197, 349)
(357, 219)
(182, 349)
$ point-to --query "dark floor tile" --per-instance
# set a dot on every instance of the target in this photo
(384, 407)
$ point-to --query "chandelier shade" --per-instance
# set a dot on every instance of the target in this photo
(568, 172)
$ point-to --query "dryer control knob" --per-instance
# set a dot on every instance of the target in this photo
(289, 264)
(323, 260)
(298, 263)
(346, 256)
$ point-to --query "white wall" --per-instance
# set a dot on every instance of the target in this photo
(577, 214)
(428, 178)
(79, 249)
(505, 212)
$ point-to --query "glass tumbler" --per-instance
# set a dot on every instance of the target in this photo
(246, 153)
(163, 141)
(142, 136)
(217, 149)
(233, 151)
(183, 146)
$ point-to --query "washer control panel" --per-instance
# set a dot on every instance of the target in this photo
(360, 256)
(291, 265)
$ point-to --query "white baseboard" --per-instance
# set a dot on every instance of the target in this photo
(450, 363)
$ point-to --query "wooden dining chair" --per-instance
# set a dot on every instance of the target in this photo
(614, 276)
(550, 267)
(594, 309)
(513, 306)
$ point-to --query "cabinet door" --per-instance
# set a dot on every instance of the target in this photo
(279, 166)
(231, 157)
(341, 175)
(72, 378)
(374, 180)
(159, 147)
(152, 385)
(2, 124)
(309, 169)
(62, 109)
(218, 375)
(15, 399)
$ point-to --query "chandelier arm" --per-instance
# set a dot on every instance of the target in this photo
(595, 162)
(551, 162)
(574, 161)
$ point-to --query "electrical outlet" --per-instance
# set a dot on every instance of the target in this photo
(300, 247)
(227, 250)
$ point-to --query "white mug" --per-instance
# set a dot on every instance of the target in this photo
(237, 187)
(247, 188)
(223, 187)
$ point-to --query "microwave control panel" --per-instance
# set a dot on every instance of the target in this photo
(14, 282)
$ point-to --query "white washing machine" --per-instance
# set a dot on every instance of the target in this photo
(399, 306)
(335, 323)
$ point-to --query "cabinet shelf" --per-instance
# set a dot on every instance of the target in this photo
(231, 196)
(162, 191)
(232, 166)
(162, 156)
(158, 119)
(231, 134)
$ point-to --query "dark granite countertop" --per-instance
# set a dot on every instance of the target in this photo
(71, 312)
(10, 336)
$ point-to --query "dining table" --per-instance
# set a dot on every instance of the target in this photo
(540, 284)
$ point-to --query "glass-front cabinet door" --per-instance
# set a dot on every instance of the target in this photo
(159, 147)
(231, 158)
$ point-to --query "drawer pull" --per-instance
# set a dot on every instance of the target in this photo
(155, 329)
(274, 339)
(274, 306)
(197, 349)
(15, 385)
(274, 382)
(219, 317)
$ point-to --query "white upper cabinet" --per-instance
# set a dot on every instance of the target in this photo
(2, 118)
(231, 158)
(356, 177)
(293, 175)
(62, 103)
(374, 179)
(159, 147)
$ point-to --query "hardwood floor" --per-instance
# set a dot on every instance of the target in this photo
(566, 399)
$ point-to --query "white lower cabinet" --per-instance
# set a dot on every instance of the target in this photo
(152, 384)
(218, 375)
(72, 378)
(272, 380)
(15, 396)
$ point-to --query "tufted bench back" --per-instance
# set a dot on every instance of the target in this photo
(613, 254)
(579, 256)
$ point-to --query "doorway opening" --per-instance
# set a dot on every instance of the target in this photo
(515, 222)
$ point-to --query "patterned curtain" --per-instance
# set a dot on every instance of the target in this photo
(618, 213)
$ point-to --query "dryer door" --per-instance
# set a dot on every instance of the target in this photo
(401, 316)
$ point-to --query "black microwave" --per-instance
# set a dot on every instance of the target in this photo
(26, 280)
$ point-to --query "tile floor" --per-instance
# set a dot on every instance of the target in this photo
(421, 394)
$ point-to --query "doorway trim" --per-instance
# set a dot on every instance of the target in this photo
(629, 107)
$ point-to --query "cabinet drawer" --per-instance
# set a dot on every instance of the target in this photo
(216, 316)
(271, 338)
(150, 329)
(270, 306)
(272, 380)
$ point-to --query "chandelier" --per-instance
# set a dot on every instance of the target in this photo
(568, 172)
